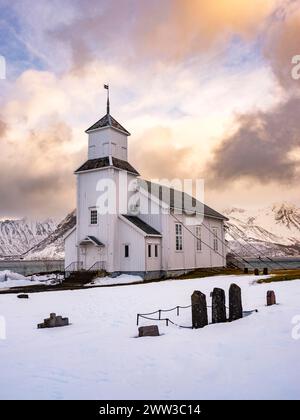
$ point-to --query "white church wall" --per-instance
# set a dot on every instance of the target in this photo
(119, 151)
(87, 196)
(153, 216)
(136, 242)
(70, 248)
(189, 257)
(107, 229)
(106, 142)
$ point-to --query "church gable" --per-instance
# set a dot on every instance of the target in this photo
(108, 121)
(104, 162)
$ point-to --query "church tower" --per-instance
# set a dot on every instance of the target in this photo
(107, 137)
(106, 165)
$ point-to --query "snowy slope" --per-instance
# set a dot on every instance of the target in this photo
(275, 229)
(98, 357)
(17, 236)
(52, 247)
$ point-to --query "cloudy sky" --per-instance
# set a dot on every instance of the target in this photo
(204, 86)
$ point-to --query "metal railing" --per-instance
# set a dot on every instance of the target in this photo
(73, 267)
(98, 266)
(149, 316)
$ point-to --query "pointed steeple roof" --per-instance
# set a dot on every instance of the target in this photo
(108, 121)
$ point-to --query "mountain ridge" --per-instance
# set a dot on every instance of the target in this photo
(272, 230)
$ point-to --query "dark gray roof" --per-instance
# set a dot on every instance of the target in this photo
(104, 162)
(179, 199)
(108, 121)
(92, 239)
(149, 230)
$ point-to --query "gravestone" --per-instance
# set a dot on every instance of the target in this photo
(199, 310)
(256, 272)
(266, 271)
(235, 302)
(54, 321)
(271, 298)
(149, 331)
(218, 306)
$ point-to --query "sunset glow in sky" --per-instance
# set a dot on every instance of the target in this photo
(204, 86)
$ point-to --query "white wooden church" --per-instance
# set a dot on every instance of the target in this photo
(155, 236)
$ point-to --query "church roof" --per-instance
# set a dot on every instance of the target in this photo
(108, 121)
(91, 239)
(178, 198)
(104, 162)
(149, 230)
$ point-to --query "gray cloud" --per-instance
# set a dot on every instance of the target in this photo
(36, 174)
(261, 149)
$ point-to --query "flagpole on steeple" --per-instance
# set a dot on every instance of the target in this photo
(108, 104)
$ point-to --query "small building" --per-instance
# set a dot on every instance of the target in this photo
(147, 229)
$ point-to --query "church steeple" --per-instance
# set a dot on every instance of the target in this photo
(108, 120)
(107, 137)
(107, 104)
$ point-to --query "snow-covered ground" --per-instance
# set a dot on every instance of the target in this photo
(108, 281)
(99, 357)
(9, 279)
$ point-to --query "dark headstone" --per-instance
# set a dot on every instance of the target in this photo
(246, 270)
(54, 321)
(256, 272)
(266, 271)
(61, 322)
(23, 296)
(149, 331)
(235, 302)
(199, 310)
(218, 306)
(271, 298)
(50, 322)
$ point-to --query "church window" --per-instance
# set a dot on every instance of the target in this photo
(126, 251)
(179, 237)
(198, 240)
(94, 217)
(215, 239)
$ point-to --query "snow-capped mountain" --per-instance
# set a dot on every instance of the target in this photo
(17, 236)
(52, 247)
(274, 230)
(34, 240)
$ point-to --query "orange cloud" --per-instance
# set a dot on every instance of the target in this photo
(194, 24)
(283, 43)
(156, 156)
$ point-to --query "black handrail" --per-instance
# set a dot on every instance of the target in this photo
(73, 267)
(98, 266)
